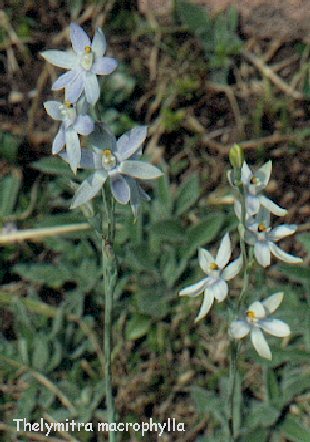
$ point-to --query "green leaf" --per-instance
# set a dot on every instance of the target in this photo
(137, 326)
(40, 353)
(9, 187)
(9, 146)
(188, 194)
(52, 166)
(296, 273)
(294, 383)
(261, 415)
(257, 435)
(206, 402)
(201, 234)
(304, 239)
(47, 274)
(273, 387)
(168, 229)
(294, 430)
(195, 17)
(152, 301)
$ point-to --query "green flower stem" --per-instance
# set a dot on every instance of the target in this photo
(109, 267)
(235, 348)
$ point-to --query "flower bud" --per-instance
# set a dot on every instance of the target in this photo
(236, 156)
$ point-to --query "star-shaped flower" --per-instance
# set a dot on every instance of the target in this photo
(263, 238)
(256, 320)
(72, 125)
(254, 184)
(85, 62)
(214, 285)
(118, 160)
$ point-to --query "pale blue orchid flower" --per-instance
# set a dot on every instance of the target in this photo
(214, 286)
(85, 62)
(263, 238)
(119, 161)
(72, 125)
(254, 184)
(256, 319)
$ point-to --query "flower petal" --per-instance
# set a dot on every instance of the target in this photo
(262, 253)
(260, 344)
(84, 125)
(219, 289)
(90, 160)
(137, 195)
(286, 257)
(233, 269)
(64, 80)
(92, 89)
(53, 110)
(246, 174)
(224, 252)
(195, 289)
(67, 60)
(205, 259)
(275, 327)
(252, 205)
(239, 329)
(59, 140)
(79, 38)
(258, 309)
(73, 148)
(237, 207)
(208, 300)
(102, 138)
(128, 143)
(273, 302)
(104, 66)
(263, 174)
(89, 188)
(140, 170)
(271, 206)
(282, 231)
(120, 189)
(99, 43)
(74, 89)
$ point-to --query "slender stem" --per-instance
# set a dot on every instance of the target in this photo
(234, 348)
(232, 382)
(109, 267)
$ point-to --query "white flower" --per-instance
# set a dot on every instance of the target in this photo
(72, 125)
(85, 62)
(263, 238)
(253, 185)
(255, 321)
(118, 160)
(214, 285)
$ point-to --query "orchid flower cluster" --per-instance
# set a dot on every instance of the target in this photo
(253, 210)
(106, 157)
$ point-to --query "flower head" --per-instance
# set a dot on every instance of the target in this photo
(85, 62)
(119, 161)
(254, 184)
(73, 124)
(214, 285)
(256, 319)
(263, 238)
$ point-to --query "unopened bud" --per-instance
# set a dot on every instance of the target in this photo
(236, 156)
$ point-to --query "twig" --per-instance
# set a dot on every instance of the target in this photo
(63, 433)
(24, 215)
(42, 380)
(30, 434)
(40, 234)
(267, 72)
(233, 103)
(251, 144)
